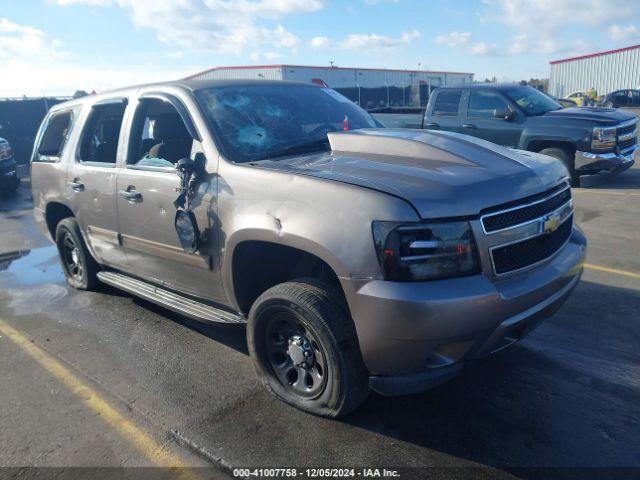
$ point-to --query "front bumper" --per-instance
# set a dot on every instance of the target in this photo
(415, 336)
(598, 167)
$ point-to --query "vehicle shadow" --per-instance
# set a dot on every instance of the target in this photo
(233, 336)
(562, 397)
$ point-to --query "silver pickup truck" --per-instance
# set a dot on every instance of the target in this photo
(360, 258)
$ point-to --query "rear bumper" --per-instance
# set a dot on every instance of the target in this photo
(599, 167)
(415, 336)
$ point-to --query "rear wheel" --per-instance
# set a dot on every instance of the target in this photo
(305, 349)
(77, 263)
(609, 104)
(567, 157)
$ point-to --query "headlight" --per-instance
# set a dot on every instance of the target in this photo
(603, 138)
(425, 251)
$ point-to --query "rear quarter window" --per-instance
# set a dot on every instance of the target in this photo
(54, 138)
(447, 103)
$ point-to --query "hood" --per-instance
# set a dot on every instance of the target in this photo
(595, 115)
(442, 174)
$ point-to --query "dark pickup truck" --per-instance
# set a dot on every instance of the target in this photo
(593, 143)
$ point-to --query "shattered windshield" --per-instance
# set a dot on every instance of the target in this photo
(257, 122)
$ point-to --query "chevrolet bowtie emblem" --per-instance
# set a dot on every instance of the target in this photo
(550, 223)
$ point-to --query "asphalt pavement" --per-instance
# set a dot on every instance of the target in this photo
(102, 379)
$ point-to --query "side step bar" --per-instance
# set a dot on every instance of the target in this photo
(165, 298)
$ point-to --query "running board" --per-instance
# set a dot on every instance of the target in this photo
(165, 298)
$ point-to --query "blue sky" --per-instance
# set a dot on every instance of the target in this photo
(58, 46)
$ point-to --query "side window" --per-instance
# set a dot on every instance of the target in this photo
(483, 104)
(159, 137)
(54, 137)
(100, 135)
(447, 102)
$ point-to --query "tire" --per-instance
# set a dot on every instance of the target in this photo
(78, 265)
(608, 104)
(334, 381)
(567, 157)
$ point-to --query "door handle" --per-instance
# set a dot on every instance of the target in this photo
(468, 125)
(76, 186)
(431, 125)
(131, 195)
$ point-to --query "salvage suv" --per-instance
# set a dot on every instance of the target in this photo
(593, 143)
(360, 258)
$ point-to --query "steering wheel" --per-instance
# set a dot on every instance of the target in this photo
(320, 129)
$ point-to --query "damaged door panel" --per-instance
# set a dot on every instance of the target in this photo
(147, 187)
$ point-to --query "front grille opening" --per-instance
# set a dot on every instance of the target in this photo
(517, 216)
(529, 252)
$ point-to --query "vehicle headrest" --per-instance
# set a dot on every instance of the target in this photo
(170, 127)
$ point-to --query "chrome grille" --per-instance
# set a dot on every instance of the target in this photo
(532, 210)
(530, 231)
(627, 135)
(529, 252)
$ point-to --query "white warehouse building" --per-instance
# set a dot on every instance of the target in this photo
(606, 71)
(370, 87)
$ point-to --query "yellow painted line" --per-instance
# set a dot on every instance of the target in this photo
(127, 429)
(612, 270)
(605, 192)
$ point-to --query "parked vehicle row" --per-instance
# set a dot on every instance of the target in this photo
(593, 143)
(361, 258)
(9, 180)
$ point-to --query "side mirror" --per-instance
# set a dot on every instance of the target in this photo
(504, 114)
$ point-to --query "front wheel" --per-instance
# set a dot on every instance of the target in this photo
(567, 157)
(305, 349)
(77, 263)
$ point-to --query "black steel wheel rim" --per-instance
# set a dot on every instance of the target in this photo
(72, 257)
(300, 369)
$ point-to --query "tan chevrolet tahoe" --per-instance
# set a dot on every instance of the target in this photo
(360, 258)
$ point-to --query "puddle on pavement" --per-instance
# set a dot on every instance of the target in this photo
(30, 267)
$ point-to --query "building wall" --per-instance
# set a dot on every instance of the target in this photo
(232, 73)
(608, 72)
(371, 88)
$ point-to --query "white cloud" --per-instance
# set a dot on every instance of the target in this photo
(221, 26)
(365, 41)
(55, 78)
(22, 41)
(454, 39)
(373, 41)
(617, 33)
(552, 15)
(318, 43)
(98, 3)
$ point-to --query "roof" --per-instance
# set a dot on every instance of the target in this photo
(187, 84)
(480, 85)
(598, 54)
(253, 67)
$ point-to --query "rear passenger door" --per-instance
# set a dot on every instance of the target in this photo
(444, 113)
(158, 136)
(91, 180)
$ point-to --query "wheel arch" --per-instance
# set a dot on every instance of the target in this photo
(55, 212)
(256, 264)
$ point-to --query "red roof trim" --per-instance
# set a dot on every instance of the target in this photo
(253, 67)
(598, 54)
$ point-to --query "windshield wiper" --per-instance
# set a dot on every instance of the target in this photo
(305, 147)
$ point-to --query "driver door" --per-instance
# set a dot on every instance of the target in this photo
(480, 120)
(146, 190)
